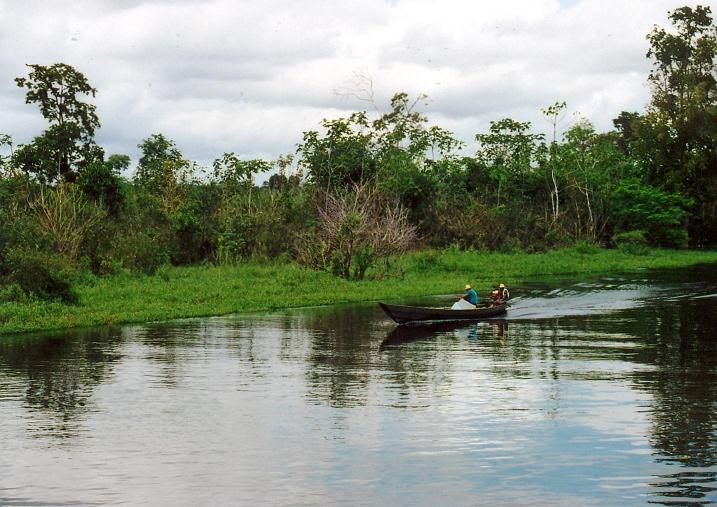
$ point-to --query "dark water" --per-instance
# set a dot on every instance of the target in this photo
(602, 392)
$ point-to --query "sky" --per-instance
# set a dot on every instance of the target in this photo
(249, 76)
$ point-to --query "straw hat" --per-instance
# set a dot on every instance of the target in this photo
(501, 286)
(468, 286)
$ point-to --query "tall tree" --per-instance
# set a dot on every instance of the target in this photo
(58, 90)
(678, 134)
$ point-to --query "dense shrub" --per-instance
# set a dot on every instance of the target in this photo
(632, 242)
(263, 223)
(41, 274)
(13, 293)
(101, 182)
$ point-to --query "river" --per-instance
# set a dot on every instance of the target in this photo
(598, 391)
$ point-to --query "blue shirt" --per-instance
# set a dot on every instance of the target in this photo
(472, 296)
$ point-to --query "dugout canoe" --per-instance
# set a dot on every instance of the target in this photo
(404, 314)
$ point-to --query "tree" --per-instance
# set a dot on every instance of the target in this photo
(102, 182)
(591, 164)
(57, 89)
(626, 125)
(234, 175)
(357, 149)
(507, 150)
(231, 171)
(159, 155)
(5, 140)
(554, 114)
(341, 157)
(162, 170)
(678, 134)
(660, 214)
(355, 229)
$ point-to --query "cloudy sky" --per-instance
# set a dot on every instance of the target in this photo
(250, 76)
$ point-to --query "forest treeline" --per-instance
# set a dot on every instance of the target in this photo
(366, 186)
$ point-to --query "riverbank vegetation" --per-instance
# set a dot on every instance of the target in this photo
(193, 291)
(81, 229)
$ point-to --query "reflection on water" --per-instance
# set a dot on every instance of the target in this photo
(597, 392)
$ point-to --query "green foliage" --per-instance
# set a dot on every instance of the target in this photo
(162, 166)
(342, 156)
(44, 276)
(397, 145)
(590, 165)
(263, 223)
(632, 242)
(146, 241)
(101, 181)
(508, 150)
(142, 253)
(5, 140)
(233, 173)
(56, 153)
(586, 247)
(659, 213)
(14, 293)
(676, 137)
(55, 88)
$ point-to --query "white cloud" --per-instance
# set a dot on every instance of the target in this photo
(249, 76)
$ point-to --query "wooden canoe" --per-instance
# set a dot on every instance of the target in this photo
(405, 314)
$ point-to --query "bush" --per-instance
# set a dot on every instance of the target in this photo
(43, 275)
(101, 182)
(672, 238)
(64, 215)
(13, 293)
(144, 255)
(631, 242)
(586, 247)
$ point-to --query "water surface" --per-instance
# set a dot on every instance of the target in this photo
(591, 392)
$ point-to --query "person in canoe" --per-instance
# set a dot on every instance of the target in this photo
(468, 301)
(500, 295)
(471, 295)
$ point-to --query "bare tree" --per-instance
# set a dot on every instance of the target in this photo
(359, 87)
(355, 230)
(554, 114)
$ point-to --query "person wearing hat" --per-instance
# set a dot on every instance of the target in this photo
(471, 295)
(502, 295)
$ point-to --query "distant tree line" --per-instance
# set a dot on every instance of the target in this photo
(364, 187)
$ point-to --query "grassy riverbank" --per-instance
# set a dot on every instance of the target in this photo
(247, 287)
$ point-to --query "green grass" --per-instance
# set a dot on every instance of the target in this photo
(251, 287)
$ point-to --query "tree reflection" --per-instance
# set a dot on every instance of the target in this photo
(340, 355)
(676, 341)
(59, 372)
(681, 344)
(166, 342)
